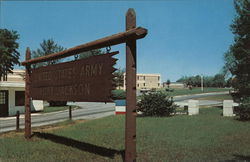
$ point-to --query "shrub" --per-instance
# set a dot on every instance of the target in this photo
(244, 109)
(156, 104)
(118, 94)
(169, 90)
(57, 103)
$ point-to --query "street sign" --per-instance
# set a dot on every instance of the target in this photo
(88, 80)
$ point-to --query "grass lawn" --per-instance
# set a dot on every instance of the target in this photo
(48, 109)
(186, 91)
(204, 137)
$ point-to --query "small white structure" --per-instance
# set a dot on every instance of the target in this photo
(12, 98)
(120, 110)
(193, 107)
(228, 108)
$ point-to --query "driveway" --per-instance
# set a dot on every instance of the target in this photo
(88, 110)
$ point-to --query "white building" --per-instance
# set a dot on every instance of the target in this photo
(146, 81)
(12, 95)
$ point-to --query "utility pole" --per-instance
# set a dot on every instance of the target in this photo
(202, 83)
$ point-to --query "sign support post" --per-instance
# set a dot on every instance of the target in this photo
(130, 125)
(27, 97)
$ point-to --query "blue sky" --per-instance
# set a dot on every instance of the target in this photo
(185, 37)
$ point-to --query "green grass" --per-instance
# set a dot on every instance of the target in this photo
(204, 137)
(48, 109)
(186, 91)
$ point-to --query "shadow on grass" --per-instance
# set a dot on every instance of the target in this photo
(102, 151)
(239, 158)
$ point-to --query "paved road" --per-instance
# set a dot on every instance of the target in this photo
(87, 111)
(187, 97)
(183, 100)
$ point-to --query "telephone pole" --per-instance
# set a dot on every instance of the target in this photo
(202, 83)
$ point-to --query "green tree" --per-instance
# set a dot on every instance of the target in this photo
(230, 64)
(119, 79)
(209, 81)
(168, 83)
(87, 54)
(219, 80)
(9, 56)
(240, 54)
(240, 49)
(47, 47)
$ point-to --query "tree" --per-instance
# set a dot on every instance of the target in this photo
(209, 81)
(219, 81)
(119, 79)
(168, 83)
(47, 47)
(87, 54)
(9, 56)
(230, 64)
(240, 54)
(241, 47)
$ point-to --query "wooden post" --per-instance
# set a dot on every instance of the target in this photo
(27, 97)
(70, 113)
(130, 126)
(17, 120)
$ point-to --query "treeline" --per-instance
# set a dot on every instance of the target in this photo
(217, 80)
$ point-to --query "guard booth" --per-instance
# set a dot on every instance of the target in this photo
(12, 99)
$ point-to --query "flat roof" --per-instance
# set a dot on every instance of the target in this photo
(12, 84)
(145, 74)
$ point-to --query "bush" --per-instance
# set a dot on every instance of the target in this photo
(118, 94)
(156, 104)
(169, 90)
(244, 109)
(57, 103)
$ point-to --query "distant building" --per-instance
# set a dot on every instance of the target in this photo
(146, 81)
(12, 95)
(16, 76)
(173, 85)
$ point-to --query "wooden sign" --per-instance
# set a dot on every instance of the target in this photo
(87, 80)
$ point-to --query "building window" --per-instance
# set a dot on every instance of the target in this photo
(144, 84)
(158, 78)
(138, 77)
(144, 78)
(2, 98)
(19, 98)
(138, 85)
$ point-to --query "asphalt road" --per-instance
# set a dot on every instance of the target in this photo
(183, 100)
(87, 111)
(187, 97)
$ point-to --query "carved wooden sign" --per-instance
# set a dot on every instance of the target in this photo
(87, 80)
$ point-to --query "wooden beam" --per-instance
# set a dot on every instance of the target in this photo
(130, 124)
(135, 33)
(27, 98)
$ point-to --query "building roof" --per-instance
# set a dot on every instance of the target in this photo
(140, 74)
(12, 84)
